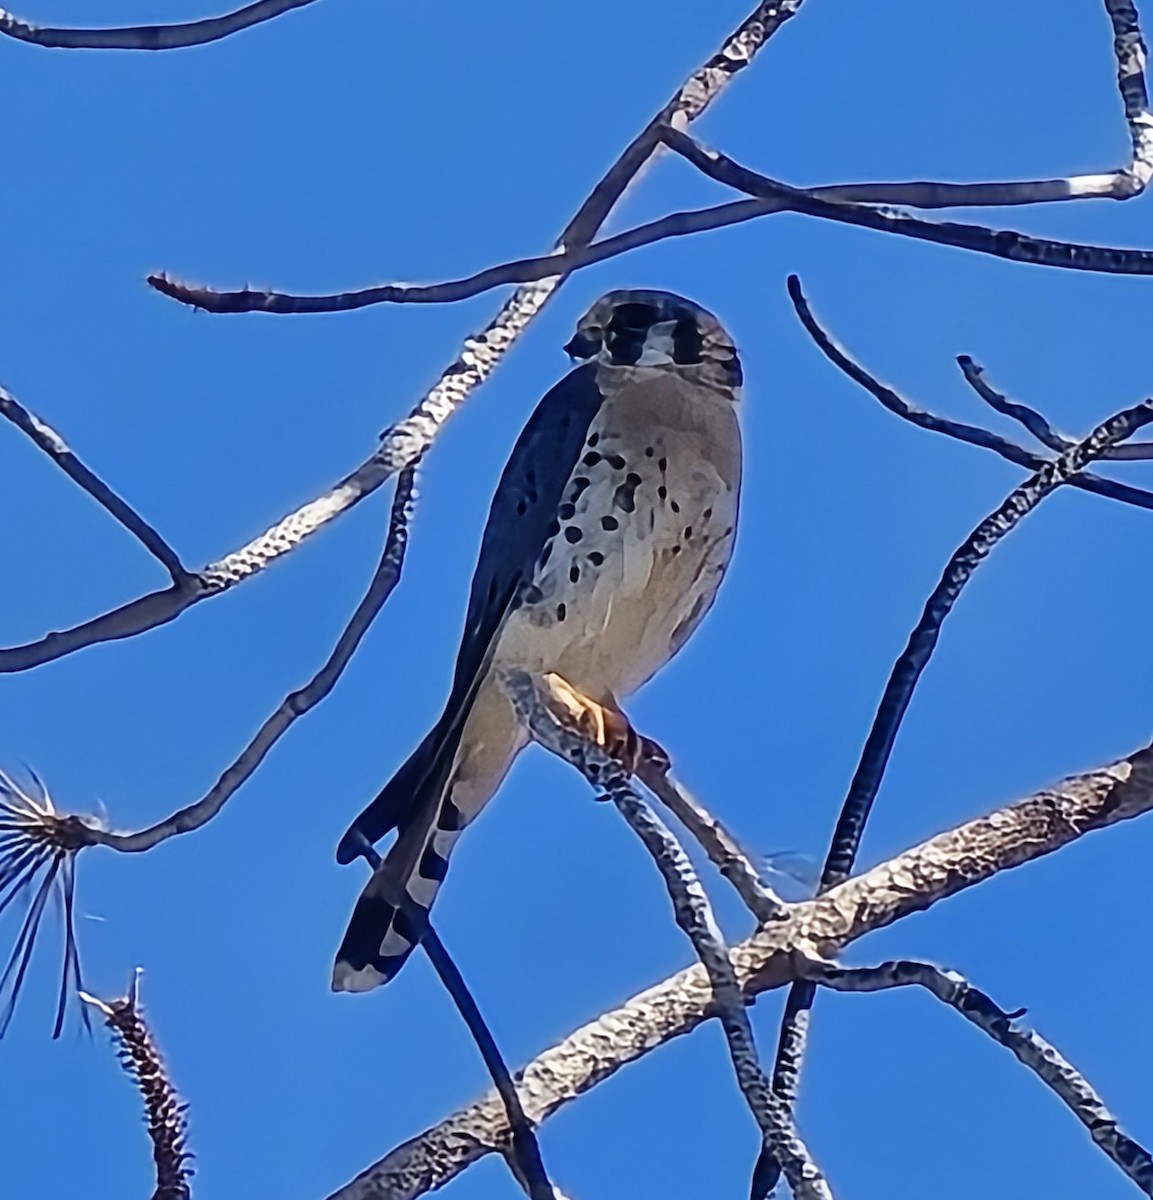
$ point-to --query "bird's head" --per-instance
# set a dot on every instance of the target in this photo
(640, 328)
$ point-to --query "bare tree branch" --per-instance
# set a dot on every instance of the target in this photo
(723, 850)
(1000, 243)
(1034, 422)
(410, 438)
(523, 1154)
(37, 841)
(693, 914)
(148, 37)
(1043, 1059)
(294, 705)
(974, 434)
(48, 440)
(912, 882)
(575, 252)
(923, 640)
(1129, 50)
(899, 690)
(165, 1112)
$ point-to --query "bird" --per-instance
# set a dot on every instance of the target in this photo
(608, 535)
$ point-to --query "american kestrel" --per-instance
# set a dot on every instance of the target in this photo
(609, 533)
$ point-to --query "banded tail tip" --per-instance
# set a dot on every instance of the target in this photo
(347, 978)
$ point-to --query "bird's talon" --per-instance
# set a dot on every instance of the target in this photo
(604, 725)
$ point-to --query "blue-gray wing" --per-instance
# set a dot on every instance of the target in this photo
(522, 519)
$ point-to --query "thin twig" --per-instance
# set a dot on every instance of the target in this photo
(294, 705)
(1043, 1059)
(693, 914)
(1030, 418)
(973, 434)
(165, 1112)
(923, 640)
(35, 837)
(410, 438)
(723, 850)
(898, 693)
(524, 1156)
(576, 248)
(48, 440)
(148, 37)
(999, 243)
(678, 224)
(911, 882)
(524, 1150)
(1035, 423)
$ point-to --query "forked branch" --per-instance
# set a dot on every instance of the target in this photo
(410, 438)
(913, 881)
(545, 718)
(1049, 1065)
(902, 682)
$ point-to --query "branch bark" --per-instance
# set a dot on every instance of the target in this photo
(409, 439)
(947, 864)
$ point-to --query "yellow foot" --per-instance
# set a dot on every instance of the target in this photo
(605, 725)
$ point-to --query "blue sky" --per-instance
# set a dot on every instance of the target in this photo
(361, 141)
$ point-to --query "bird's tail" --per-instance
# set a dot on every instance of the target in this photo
(391, 914)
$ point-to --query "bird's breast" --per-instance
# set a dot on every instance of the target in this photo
(641, 539)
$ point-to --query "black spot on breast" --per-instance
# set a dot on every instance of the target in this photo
(707, 513)
(567, 511)
(610, 523)
(546, 553)
(674, 506)
(574, 573)
(596, 557)
(649, 452)
(617, 462)
(663, 492)
(591, 459)
(578, 485)
(573, 534)
(554, 528)
(533, 594)
(596, 437)
(688, 533)
(560, 612)
(624, 497)
(663, 463)
(676, 550)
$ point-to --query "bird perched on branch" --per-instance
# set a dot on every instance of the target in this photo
(609, 533)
